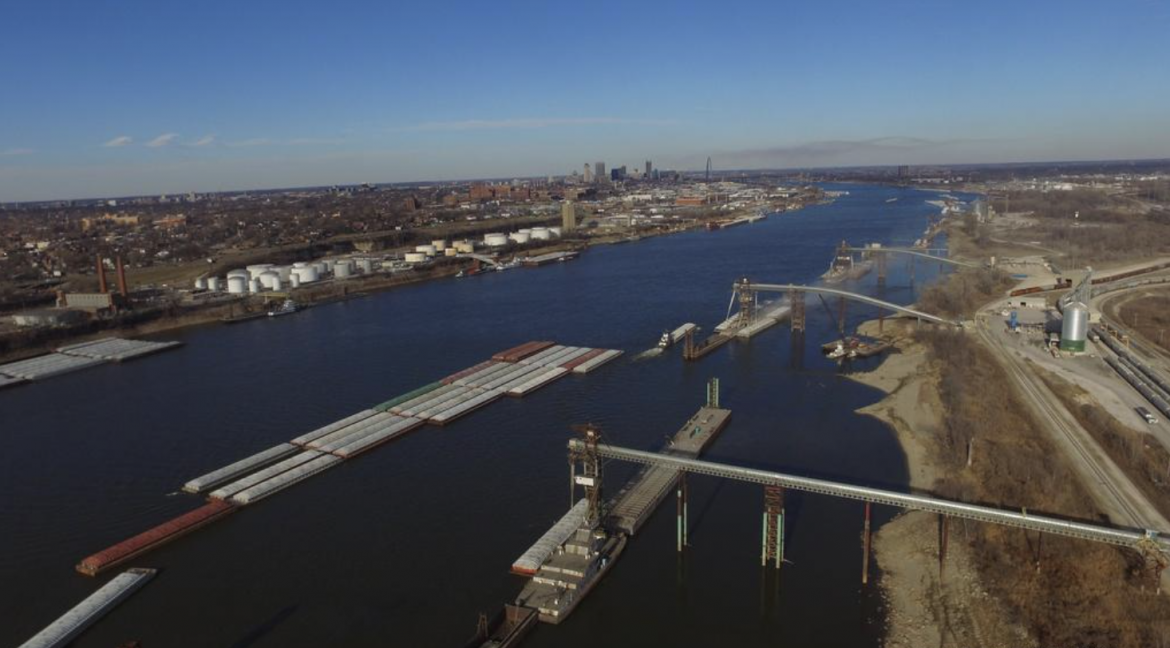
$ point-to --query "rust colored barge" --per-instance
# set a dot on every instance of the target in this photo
(516, 354)
(147, 540)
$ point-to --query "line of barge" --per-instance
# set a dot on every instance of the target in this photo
(514, 372)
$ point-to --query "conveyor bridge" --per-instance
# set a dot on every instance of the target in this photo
(947, 508)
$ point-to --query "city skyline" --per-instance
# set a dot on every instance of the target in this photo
(140, 99)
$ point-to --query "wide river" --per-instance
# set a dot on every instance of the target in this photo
(405, 545)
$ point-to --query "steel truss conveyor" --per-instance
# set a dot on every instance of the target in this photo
(1021, 520)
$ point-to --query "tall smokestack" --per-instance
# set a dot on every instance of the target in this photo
(101, 272)
(122, 278)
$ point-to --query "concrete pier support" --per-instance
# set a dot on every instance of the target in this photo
(865, 547)
(942, 545)
(772, 541)
(682, 511)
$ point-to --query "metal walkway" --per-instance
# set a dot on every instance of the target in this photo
(922, 253)
(479, 257)
(1021, 520)
(865, 299)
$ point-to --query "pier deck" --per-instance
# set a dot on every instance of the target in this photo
(634, 504)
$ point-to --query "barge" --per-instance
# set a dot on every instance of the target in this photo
(158, 536)
(88, 612)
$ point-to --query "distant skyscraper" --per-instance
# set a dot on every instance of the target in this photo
(568, 216)
(588, 174)
(649, 169)
(599, 172)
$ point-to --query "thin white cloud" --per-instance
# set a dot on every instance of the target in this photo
(16, 151)
(314, 141)
(162, 140)
(121, 140)
(206, 140)
(532, 123)
(256, 141)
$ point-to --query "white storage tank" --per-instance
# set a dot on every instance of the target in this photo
(295, 280)
(269, 279)
(428, 250)
(555, 231)
(253, 286)
(284, 271)
(319, 266)
(342, 270)
(440, 244)
(307, 274)
(201, 283)
(414, 257)
(495, 240)
(300, 264)
(520, 237)
(541, 234)
(213, 284)
(1075, 328)
(239, 272)
(254, 271)
(465, 247)
(450, 252)
(365, 265)
(237, 285)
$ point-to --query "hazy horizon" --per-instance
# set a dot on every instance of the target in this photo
(142, 99)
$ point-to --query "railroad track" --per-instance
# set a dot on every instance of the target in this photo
(1044, 403)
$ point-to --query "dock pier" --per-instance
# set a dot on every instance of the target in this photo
(638, 500)
(568, 561)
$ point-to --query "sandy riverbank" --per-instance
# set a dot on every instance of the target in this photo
(924, 609)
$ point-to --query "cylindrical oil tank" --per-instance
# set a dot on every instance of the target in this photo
(237, 285)
(277, 284)
(307, 274)
(414, 257)
(300, 264)
(555, 231)
(329, 264)
(254, 271)
(342, 269)
(495, 240)
(269, 279)
(365, 265)
(253, 286)
(428, 250)
(1075, 328)
(285, 272)
(450, 252)
(213, 284)
(239, 272)
(465, 247)
(440, 244)
(295, 280)
(541, 234)
(520, 237)
(201, 283)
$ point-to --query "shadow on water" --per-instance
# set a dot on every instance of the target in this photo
(262, 630)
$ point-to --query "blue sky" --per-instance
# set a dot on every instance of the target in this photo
(117, 97)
